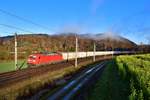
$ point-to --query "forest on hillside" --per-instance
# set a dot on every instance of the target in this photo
(33, 43)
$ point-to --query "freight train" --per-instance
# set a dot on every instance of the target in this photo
(53, 57)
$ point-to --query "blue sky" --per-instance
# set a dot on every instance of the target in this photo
(128, 18)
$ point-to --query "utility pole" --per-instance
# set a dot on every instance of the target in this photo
(15, 51)
(94, 49)
(141, 47)
(105, 49)
(76, 54)
(112, 49)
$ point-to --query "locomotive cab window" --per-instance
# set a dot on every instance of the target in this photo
(32, 57)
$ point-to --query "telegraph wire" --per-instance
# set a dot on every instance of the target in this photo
(14, 27)
(24, 19)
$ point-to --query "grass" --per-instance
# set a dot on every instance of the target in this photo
(6, 66)
(109, 86)
(125, 78)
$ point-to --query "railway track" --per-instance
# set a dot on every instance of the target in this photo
(69, 91)
(16, 76)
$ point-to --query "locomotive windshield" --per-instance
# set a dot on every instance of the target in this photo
(32, 57)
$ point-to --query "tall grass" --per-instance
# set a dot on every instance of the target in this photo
(125, 78)
(136, 70)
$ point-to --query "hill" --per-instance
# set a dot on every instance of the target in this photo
(110, 41)
(65, 42)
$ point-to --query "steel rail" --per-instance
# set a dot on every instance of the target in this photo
(75, 83)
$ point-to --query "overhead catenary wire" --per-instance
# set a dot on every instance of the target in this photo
(14, 27)
(24, 19)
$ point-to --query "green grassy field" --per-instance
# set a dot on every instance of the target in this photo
(125, 78)
(6, 66)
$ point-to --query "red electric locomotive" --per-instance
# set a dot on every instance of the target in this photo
(44, 58)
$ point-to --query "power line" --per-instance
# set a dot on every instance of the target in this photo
(24, 19)
(14, 27)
